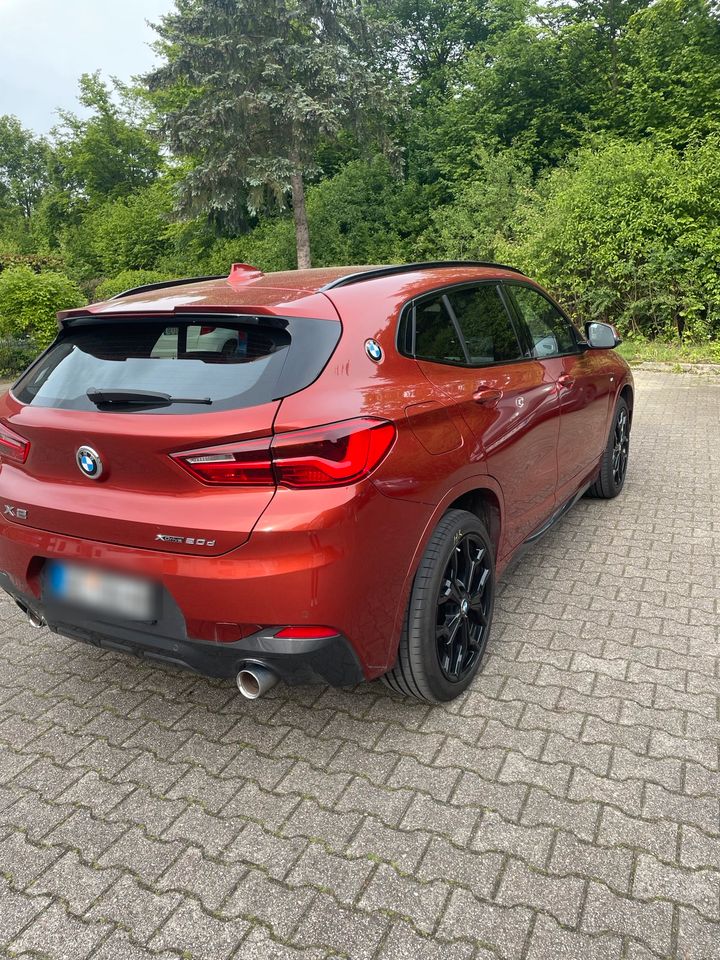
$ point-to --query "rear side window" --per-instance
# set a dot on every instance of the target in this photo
(217, 364)
(551, 334)
(435, 334)
(468, 326)
(485, 325)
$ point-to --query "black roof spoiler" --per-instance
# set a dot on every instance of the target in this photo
(160, 284)
(390, 271)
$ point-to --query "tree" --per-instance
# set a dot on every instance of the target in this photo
(23, 165)
(671, 79)
(110, 153)
(249, 89)
(629, 233)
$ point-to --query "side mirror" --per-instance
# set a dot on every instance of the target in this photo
(601, 336)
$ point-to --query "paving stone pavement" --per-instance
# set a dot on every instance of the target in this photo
(566, 807)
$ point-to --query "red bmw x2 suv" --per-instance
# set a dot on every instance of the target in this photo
(313, 475)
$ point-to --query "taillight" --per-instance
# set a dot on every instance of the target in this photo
(12, 445)
(204, 330)
(333, 455)
(246, 463)
(329, 456)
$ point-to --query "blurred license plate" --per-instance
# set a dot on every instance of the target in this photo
(103, 592)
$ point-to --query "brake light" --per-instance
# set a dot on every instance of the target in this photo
(204, 330)
(332, 455)
(12, 445)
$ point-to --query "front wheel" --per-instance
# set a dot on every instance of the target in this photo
(449, 612)
(614, 463)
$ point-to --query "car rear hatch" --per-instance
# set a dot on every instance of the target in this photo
(109, 403)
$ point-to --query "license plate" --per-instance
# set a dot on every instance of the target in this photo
(101, 591)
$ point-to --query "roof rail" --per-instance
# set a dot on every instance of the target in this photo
(163, 283)
(376, 272)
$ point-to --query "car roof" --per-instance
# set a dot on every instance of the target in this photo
(247, 286)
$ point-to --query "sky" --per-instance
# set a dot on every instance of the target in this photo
(46, 44)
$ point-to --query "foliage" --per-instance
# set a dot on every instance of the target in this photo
(130, 233)
(110, 153)
(671, 76)
(23, 165)
(629, 233)
(249, 91)
(29, 302)
(356, 217)
(126, 280)
(472, 224)
(640, 350)
(579, 139)
(16, 353)
(38, 262)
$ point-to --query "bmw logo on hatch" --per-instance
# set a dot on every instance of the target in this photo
(89, 462)
(373, 350)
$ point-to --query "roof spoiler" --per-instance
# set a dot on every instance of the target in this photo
(389, 271)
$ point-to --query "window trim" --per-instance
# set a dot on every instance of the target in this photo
(580, 345)
(406, 328)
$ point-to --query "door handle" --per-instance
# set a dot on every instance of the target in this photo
(566, 381)
(486, 394)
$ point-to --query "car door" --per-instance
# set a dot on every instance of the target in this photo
(466, 344)
(582, 378)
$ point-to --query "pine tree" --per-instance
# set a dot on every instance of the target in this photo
(249, 88)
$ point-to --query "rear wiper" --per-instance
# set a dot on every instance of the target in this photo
(139, 397)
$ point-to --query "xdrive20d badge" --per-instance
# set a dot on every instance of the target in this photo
(316, 475)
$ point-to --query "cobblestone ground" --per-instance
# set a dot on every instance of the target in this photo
(566, 807)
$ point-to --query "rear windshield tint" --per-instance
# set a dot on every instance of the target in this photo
(232, 363)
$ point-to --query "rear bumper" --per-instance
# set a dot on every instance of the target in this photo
(337, 558)
(329, 659)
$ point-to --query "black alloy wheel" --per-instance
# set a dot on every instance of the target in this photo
(621, 446)
(463, 606)
(614, 464)
(449, 613)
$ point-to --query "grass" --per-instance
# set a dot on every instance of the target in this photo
(657, 351)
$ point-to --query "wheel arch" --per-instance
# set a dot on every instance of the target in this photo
(485, 504)
(629, 397)
(480, 495)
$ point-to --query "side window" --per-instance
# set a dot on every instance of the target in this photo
(435, 336)
(550, 332)
(485, 325)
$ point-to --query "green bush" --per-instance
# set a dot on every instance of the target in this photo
(29, 302)
(472, 224)
(270, 246)
(630, 234)
(15, 355)
(131, 233)
(125, 281)
(38, 262)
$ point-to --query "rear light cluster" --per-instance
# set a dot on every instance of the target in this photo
(327, 456)
(12, 445)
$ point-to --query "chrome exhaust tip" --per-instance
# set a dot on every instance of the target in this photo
(254, 680)
(35, 619)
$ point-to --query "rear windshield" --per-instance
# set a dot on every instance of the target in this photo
(216, 364)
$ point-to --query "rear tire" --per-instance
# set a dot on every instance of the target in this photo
(448, 618)
(614, 463)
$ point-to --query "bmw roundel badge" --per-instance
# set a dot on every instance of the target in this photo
(373, 350)
(89, 462)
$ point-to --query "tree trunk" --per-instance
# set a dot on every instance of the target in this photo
(302, 233)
